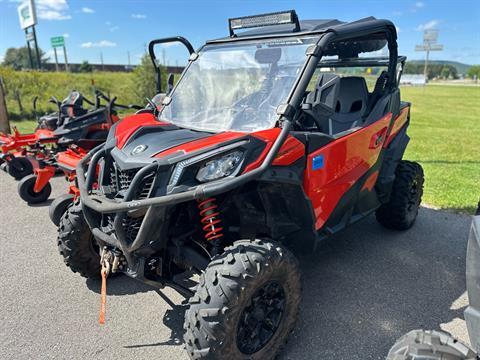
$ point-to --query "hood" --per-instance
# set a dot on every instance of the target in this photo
(139, 139)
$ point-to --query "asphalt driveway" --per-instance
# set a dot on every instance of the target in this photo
(362, 290)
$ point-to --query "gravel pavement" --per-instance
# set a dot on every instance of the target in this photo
(363, 289)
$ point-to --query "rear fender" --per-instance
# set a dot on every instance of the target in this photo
(392, 154)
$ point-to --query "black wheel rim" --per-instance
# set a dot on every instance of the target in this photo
(261, 318)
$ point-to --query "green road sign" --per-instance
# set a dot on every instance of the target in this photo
(57, 41)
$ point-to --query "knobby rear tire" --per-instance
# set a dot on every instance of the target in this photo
(401, 211)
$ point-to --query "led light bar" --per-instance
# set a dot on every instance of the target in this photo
(276, 18)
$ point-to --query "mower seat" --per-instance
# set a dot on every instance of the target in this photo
(72, 106)
(351, 105)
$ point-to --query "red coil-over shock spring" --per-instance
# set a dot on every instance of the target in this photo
(209, 217)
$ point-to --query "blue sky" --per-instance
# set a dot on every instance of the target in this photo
(115, 28)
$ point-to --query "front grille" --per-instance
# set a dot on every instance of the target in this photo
(119, 182)
(132, 227)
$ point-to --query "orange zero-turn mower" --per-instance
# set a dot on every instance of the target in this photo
(22, 154)
(19, 151)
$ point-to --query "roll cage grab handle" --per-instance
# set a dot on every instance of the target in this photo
(285, 111)
(151, 52)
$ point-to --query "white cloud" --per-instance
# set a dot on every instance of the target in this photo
(114, 28)
(398, 29)
(66, 35)
(52, 9)
(419, 4)
(139, 16)
(87, 10)
(397, 13)
(108, 23)
(99, 44)
(428, 25)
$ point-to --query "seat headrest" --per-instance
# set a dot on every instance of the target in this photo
(381, 82)
(353, 95)
(322, 100)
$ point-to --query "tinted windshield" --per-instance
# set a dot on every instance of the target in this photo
(237, 86)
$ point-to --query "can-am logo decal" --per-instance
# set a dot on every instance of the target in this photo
(139, 149)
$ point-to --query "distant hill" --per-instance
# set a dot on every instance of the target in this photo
(461, 68)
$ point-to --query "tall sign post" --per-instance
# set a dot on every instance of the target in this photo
(28, 20)
(4, 123)
(430, 38)
(56, 42)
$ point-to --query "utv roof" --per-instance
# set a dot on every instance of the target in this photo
(365, 26)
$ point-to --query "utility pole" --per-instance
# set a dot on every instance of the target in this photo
(164, 56)
(101, 60)
(128, 54)
(430, 38)
(4, 122)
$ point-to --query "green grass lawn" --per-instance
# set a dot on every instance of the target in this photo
(445, 139)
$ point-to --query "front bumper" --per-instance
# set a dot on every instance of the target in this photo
(472, 313)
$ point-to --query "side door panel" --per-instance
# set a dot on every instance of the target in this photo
(334, 168)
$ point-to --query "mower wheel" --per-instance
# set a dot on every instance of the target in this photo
(401, 211)
(77, 245)
(59, 206)
(4, 166)
(246, 303)
(20, 167)
(26, 192)
(419, 344)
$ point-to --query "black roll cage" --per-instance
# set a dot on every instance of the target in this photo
(151, 52)
(285, 119)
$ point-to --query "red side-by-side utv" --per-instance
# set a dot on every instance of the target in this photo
(272, 140)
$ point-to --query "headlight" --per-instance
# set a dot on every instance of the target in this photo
(220, 167)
